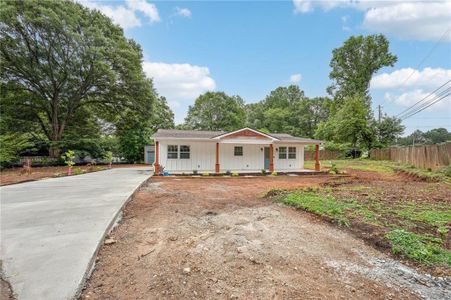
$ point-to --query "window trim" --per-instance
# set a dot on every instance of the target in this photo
(291, 152)
(235, 152)
(172, 152)
(185, 152)
(285, 152)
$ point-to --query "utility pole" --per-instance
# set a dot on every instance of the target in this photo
(379, 108)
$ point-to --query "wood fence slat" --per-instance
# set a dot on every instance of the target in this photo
(424, 156)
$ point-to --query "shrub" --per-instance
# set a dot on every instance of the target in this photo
(263, 172)
(333, 169)
(274, 173)
(235, 174)
(205, 174)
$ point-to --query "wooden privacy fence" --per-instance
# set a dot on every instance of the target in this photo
(427, 156)
(323, 154)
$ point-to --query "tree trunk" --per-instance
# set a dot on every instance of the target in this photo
(54, 151)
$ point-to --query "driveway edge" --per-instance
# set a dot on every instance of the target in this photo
(114, 222)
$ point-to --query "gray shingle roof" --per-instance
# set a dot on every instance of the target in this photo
(194, 134)
(200, 134)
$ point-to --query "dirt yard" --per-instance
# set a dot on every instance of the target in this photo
(217, 238)
(18, 175)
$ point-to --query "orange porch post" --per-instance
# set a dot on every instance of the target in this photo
(317, 164)
(271, 163)
(217, 166)
(157, 158)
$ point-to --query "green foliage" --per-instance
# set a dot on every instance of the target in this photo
(205, 174)
(235, 174)
(418, 247)
(11, 146)
(354, 64)
(348, 125)
(288, 110)
(69, 158)
(334, 168)
(434, 136)
(274, 173)
(446, 171)
(216, 111)
(388, 130)
(108, 157)
(132, 141)
(322, 205)
(58, 58)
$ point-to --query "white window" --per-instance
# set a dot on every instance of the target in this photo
(238, 151)
(292, 152)
(184, 152)
(173, 151)
(282, 152)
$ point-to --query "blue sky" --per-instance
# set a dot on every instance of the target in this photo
(250, 48)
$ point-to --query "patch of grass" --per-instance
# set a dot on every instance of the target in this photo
(322, 205)
(418, 247)
(423, 174)
(435, 215)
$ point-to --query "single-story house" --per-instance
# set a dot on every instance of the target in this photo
(244, 151)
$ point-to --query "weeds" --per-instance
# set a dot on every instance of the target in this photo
(418, 247)
(322, 205)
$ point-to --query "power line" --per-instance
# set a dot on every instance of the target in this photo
(426, 57)
(428, 105)
(406, 111)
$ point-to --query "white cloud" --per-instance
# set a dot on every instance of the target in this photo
(183, 12)
(415, 20)
(295, 78)
(125, 15)
(148, 9)
(410, 98)
(408, 77)
(179, 81)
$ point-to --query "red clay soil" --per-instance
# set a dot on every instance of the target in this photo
(216, 238)
(18, 175)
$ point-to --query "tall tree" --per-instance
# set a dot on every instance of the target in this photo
(354, 64)
(388, 130)
(216, 111)
(66, 57)
(287, 109)
(348, 124)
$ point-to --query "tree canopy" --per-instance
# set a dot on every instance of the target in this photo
(354, 64)
(59, 58)
(216, 111)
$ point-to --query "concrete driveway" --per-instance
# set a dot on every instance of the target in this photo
(51, 229)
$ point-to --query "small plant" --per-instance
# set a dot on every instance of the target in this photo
(108, 157)
(205, 174)
(228, 172)
(234, 174)
(194, 172)
(418, 247)
(333, 168)
(274, 173)
(78, 171)
(263, 172)
(69, 160)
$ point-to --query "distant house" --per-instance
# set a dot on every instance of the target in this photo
(244, 151)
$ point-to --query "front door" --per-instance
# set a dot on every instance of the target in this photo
(266, 158)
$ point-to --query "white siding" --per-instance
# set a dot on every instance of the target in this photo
(289, 164)
(252, 159)
(203, 157)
